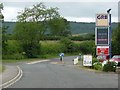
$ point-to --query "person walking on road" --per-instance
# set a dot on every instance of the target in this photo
(61, 56)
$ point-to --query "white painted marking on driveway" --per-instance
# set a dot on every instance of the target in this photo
(37, 61)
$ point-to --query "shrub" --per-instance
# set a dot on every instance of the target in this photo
(51, 47)
(32, 50)
(110, 66)
(15, 56)
(97, 66)
(87, 47)
(67, 45)
(94, 60)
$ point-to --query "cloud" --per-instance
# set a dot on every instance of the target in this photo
(10, 13)
(80, 19)
(87, 19)
(72, 11)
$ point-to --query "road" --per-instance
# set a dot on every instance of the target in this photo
(50, 74)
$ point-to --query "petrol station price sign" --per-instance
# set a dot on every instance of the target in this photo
(102, 50)
(102, 36)
(102, 20)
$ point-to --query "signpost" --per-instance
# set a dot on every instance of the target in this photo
(103, 34)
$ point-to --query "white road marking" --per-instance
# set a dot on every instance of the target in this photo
(34, 62)
(12, 81)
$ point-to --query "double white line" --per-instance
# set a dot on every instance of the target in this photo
(12, 81)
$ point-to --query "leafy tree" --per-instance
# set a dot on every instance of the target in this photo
(3, 31)
(31, 27)
(68, 45)
(59, 27)
(116, 41)
(4, 40)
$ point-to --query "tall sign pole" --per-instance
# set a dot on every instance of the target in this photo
(110, 33)
(103, 34)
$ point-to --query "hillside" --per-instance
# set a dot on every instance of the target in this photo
(75, 27)
(78, 28)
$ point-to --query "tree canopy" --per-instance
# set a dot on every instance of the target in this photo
(116, 40)
(34, 22)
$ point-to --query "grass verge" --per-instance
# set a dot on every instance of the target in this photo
(2, 68)
(46, 56)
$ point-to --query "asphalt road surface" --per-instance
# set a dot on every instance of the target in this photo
(53, 74)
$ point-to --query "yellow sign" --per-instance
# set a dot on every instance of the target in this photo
(102, 20)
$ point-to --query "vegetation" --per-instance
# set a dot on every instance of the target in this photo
(97, 66)
(32, 25)
(110, 66)
(48, 48)
(2, 68)
(59, 27)
(116, 41)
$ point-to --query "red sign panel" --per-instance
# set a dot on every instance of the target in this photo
(102, 50)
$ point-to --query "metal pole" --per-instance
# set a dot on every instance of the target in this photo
(110, 36)
(110, 33)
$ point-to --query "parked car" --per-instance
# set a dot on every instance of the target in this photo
(116, 58)
(102, 58)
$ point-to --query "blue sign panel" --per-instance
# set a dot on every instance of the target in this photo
(102, 36)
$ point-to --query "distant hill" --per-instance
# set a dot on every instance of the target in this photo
(79, 27)
(11, 26)
(75, 27)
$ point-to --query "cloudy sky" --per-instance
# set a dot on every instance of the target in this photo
(72, 10)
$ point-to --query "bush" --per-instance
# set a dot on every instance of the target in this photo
(87, 47)
(15, 56)
(94, 60)
(67, 45)
(48, 47)
(76, 38)
(32, 50)
(97, 66)
(110, 66)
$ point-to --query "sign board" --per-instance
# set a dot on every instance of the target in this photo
(102, 50)
(87, 60)
(102, 20)
(75, 61)
(102, 36)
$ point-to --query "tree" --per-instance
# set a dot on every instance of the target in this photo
(31, 27)
(4, 40)
(59, 27)
(116, 41)
(3, 31)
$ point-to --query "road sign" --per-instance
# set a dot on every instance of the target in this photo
(102, 36)
(102, 50)
(102, 20)
(87, 60)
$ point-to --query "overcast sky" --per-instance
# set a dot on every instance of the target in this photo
(72, 10)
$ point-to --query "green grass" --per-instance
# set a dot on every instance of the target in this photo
(2, 68)
(49, 49)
